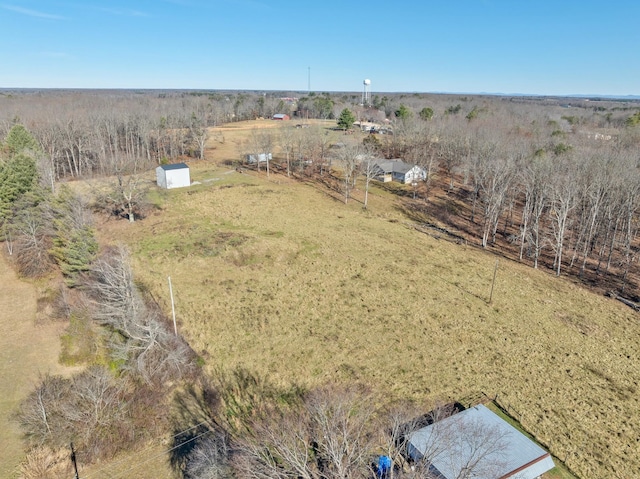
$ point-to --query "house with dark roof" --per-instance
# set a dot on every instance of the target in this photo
(477, 444)
(398, 170)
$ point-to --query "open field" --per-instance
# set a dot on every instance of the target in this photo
(282, 278)
(27, 350)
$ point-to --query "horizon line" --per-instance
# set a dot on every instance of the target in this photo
(410, 92)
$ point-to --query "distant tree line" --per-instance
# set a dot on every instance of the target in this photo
(83, 134)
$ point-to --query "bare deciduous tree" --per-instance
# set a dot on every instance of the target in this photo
(349, 158)
(32, 233)
(143, 341)
(369, 169)
(492, 173)
(89, 409)
(209, 458)
(563, 196)
(327, 437)
(286, 140)
(535, 177)
(126, 198)
(340, 418)
(278, 445)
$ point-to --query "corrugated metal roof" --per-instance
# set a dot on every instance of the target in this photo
(174, 166)
(481, 438)
(393, 166)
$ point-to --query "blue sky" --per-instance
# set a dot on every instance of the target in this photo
(550, 47)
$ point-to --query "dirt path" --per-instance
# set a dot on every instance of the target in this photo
(26, 351)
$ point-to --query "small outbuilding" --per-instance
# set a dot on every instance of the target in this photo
(478, 443)
(175, 175)
(398, 170)
(280, 116)
(259, 158)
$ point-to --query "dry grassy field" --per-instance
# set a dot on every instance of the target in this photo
(282, 278)
(27, 350)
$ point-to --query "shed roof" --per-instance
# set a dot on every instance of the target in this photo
(174, 166)
(516, 457)
(400, 166)
(393, 166)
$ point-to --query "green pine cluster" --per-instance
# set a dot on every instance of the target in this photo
(74, 243)
(346, 119)
(18, 174)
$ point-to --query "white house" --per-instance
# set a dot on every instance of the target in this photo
(259, 158)
(478, 443)
(398, 170)
(173, 176)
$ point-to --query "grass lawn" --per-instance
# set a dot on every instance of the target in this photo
(284, 279)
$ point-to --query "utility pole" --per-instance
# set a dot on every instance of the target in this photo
(73, 460)
(495, 270)
(309, 81)
(173, 308)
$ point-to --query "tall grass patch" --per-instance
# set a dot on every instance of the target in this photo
(305, 290)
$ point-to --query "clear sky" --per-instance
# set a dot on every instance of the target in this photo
(550, 47)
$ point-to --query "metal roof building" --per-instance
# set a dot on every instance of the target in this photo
(478, 444)
(175, 175)
(398, 170)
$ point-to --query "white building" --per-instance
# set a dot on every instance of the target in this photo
(259, 158)
(173, 176)
(398, 170)
(477, 443)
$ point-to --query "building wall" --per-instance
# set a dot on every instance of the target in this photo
(260, 157)
(178, 178)
(415, 173)
(161, 178)
(173, 178)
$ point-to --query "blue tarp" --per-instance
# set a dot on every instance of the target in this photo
(384, 466)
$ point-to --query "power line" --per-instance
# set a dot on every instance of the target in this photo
(113, 464)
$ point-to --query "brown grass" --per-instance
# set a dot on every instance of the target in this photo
(43, 463)
(285, 280)
(27, 350)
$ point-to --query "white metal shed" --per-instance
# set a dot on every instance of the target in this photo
(173, 176)
(480, 444)
(259, 158)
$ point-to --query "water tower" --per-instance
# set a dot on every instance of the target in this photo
(366, 94)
